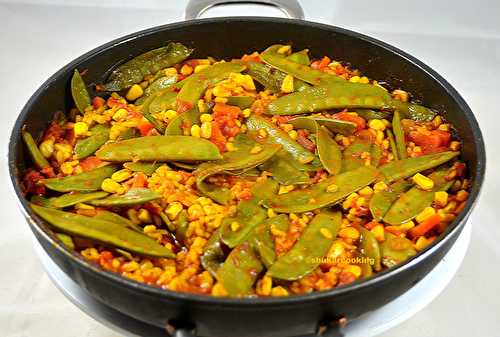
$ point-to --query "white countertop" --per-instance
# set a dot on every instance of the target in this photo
(459, 39)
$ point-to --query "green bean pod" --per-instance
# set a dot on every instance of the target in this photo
(354, 153)
(134, 196)
(405, 168)
(102, 214)
(412, 111)
(103, 231)
(370, 247)
(242, 102)
(88, 181)
(399, 135)
(395, 250)
(34, 152)
(332, 95)
(79, 92)
(213, 255)
(329, 151)
(262, 240)
(88, 146)
(240, 270)
(66, 240)
(271, 78)
(392, 143)
(326, 193)
(368, 114)
(381, 201)
(73, 198)
(300, 57)
(147, 168)
(305, 256)
(159, 148)
(282, 167)
(135, 70)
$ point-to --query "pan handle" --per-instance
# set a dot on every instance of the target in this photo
(291, 8)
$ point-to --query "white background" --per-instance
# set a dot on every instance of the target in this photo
(459, 39)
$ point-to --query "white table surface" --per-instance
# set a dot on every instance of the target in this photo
(459, 39)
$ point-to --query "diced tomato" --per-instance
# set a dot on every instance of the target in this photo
(90, 163)
(345, 116)
(225, 117)
(426, 226)
(144, 127)
(31, 183)
(284, 119)
(112, 102)
(254, 57)
(435, 141)
(69, 135)
(153, 208)
(180, 77)
(140, 180)
(320, 64)
(371, 224)
(365, 135)
(346, 277)
(48, 172)
(98, 102)
(304, 141)
(192, 62)
(218, 138)
(54, 131)
(183, 106)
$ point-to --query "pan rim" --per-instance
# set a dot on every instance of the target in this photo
(250, 302)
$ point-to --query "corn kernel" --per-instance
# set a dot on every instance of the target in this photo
(47, 147)
(173, 210)
(437, 121)
(364, 80)
(400, 95)
(279, 291)
(360, 201)
(206, 130)
(262, 133)
(423, 182)
(354, 79)
(454, 146)
(378, 232)
(246, 112)
(220, 100)
(170, 71)
(121, 175)
(462, 195)
(220, 91)
(444, 127)
(115, 131)
(265, 285)
(205, 118)
(285, 189)
(230, 147)
(256, 149)
(287, 84)
(196, 131)
(349, 233)
(235, 226)
(271, 213)
(366, 191)
(120, 115)
(353, 269)
(81, 129)
(441, 198)
(149, 229)
(326, 233)
(293, 134)
(219, 290)
(422, 243)
(144, 216)
(284, 49)
(200, 67)
(195, 211)
(406, 226)
(132, 215)
(186, 70)
(130, 266)
(286, 127)
(332, 188)
(426, 213)
(66, 168)
(111, 186)
(134, 92)
(376, 124)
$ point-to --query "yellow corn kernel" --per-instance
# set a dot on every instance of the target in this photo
(120, 115)
(364, 80)
(132, 215)
(400, 95)
(286, 127)
(195, 211)
(134, 92)
(144, 216)
(444, 127)
(426, 213)
(354, 79)
(285, 49)
(81, 129)
(422, 242)
(173, 210)
(349, 233)
(256, 149)
(271, 213)
(149, 229)
(66, 168)
(121, 175)
(376, 124)
(366, 191)
(379, 232)
(200, 67)
(206, 130)
(205, 118)
(262, 133)
(332, 188)
(170, 71)
(287, 84)
(353, 269)
(361, 201)
(220, 100)
(220, 91)
(130, 266)
(406, 226)
(293, 216)
(230, 147)
(293, 134)
(276, 232)
(279, 291)
(47, 147)
(348, 202)
(186, 70)
(285, 189)
(437, 121)
(462, 195)
(235, 226)
(201, 106)
(169, 114)
(326, 233)
(423, 182)
(196, 131)
(111, 186)
(246, 112)
(264, 286)
(219, 290)
(454, 145)
(441, 198)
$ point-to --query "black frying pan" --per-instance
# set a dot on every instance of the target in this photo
(226, 38)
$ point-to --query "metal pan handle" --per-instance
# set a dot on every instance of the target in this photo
(291, 8)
